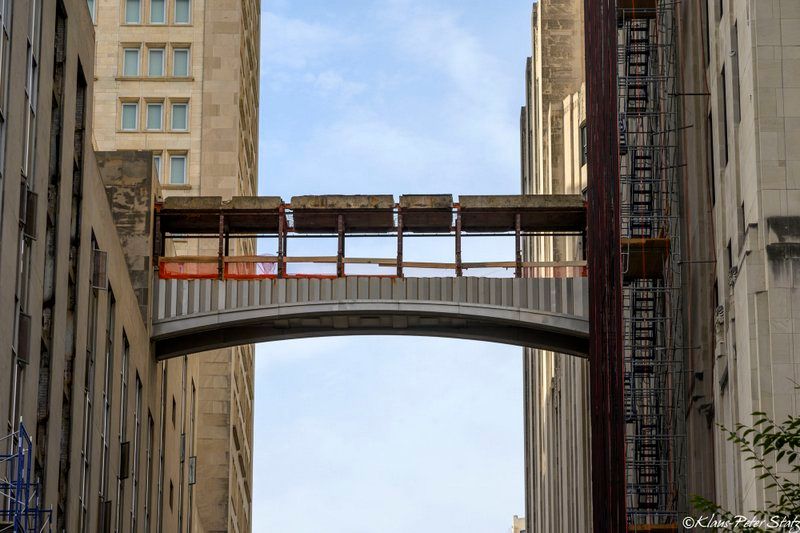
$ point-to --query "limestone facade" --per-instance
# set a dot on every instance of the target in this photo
(753, 77)
(75, 276)
(557, 480)
(738, 64)
(180, 78)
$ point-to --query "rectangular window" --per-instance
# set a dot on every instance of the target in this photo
(130, 116)
(180, 62)
(137, 437)
(148, 480)
(158, 11)
(133, 11)
(107, 386)
(712, 172)
(177, 172)
(154, 114)
(724, 84)
(123, 425)
(180, 117)
(584, 144)
(130, 62)
(737, 106)
(157, 166)
(182, 11)
(155, 62)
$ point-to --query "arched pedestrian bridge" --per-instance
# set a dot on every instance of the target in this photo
(210, 302)
(547, 313)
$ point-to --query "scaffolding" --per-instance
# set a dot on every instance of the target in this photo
(20, 498)
(649, 188)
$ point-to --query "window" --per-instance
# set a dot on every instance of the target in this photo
(137, 437)
(584, 144)
(180, 117)
(154, 113)
(724, 84)
(123, 418)
(174, 407)
(180, 62)
(158, 11)
(155, 62)
(130, 62)
(148, 481)
(712, 172)
(130, 115)
(133, 11)
(177, 176)
(157, 166)
(171, 492)
(182, 11)
(91, 4)
(737, 105)
(107, 386)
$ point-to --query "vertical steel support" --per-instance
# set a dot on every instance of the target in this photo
(459, 269)
(281, 243)
(340, 251)
(221, 251)
(158, 241)
(605, 274)
(518, 244)
(399, 244)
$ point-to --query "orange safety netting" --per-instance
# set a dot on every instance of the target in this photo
(249, 270)
(187, 270)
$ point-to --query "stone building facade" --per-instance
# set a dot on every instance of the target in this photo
(75, 276)
(739, 118)
(557, 480)
(180, 78)
(745, 171)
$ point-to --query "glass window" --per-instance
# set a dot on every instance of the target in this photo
(182, 11)
(130, 115)
(133, 11)
(158, 11)
(155, 62)
(177, 169)
(130, 62)
(91, 3)
(154, 113)
(180, 62)
(180, 119)
(157, 166)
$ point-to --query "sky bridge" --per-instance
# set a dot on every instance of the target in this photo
(212, 301)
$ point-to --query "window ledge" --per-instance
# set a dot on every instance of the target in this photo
(176, 186)
(154, 78)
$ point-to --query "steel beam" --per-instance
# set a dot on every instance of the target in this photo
(605, 273)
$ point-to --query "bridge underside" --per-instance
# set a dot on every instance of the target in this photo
(199, 315)
(549, 332)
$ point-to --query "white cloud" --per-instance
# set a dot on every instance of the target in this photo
(330, 82)
(295, 43)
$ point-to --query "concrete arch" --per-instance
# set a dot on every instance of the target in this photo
(198, 315)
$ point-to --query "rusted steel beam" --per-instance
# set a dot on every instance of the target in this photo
(400, 243)
(340, 252)
(221, 251)
(281, 243)
(158, 240)
(518, 245)
(605, 273)
(459, 269)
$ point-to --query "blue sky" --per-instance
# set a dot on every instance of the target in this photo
(397, 434)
